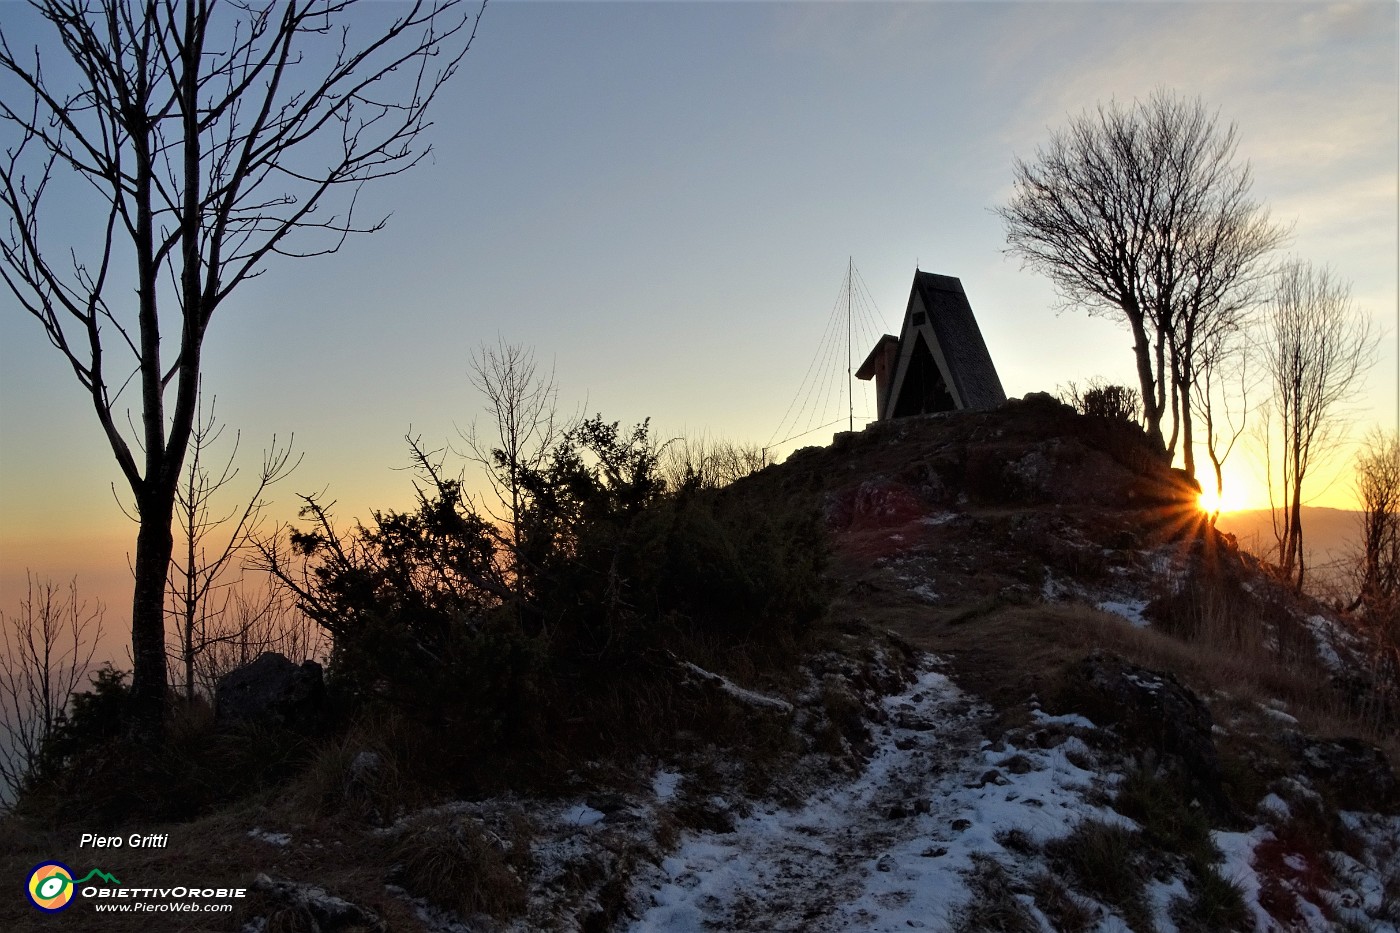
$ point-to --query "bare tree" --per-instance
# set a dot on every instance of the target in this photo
(523, 403)
(48, 650)
(1317, 347)
(1378, 488)
(708, 462)
(1143, 212)
(1221, 386)
(1376, 607)
(209, 138)
(253, 620)
(213, 544)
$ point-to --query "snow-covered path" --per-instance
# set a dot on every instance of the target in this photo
(887, 850)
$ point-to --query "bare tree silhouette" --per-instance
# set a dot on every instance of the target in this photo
(48, 650)
(1378, 486)
(1317, 347)
(211, 137)
(213, 540)
(1143, 212)
(522, 401)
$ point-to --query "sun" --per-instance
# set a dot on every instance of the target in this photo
(1232, 499)
(1209, 500)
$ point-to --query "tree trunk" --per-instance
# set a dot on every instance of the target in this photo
(154, 543)
(1297, 533)
(1293, 538)
(1151, 410)
(1188, 439)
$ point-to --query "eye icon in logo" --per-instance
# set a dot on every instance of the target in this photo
(50, 887)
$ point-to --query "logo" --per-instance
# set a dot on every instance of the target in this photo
(51, 885)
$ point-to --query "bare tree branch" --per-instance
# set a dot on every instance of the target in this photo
(209, 136)
(213, 545)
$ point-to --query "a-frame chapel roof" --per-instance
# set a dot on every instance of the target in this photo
(940, 361)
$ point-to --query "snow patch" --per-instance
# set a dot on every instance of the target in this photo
(1275, 807)
(434, 919)
(925, 592)
(1324, 635)
(1129, 609)
(583, 815)
(664, 784)
(1068, 719)
(742, 694)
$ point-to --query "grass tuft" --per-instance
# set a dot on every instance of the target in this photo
(459, 866)
(1216, 905)
(1064, 911)
(1167, 818)
(994, 904)
(1109, 861)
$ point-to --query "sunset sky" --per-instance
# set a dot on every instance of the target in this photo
(660, 199)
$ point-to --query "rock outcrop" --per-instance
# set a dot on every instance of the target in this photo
(272, 690)
(1160, 721)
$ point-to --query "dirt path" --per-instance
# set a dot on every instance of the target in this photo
(886, 850)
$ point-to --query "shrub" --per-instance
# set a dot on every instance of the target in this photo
(98, 716)
(1113, 402)
(93, 773)
(604, 574)
(1102, 400)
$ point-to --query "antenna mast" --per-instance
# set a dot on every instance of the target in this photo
(817, 404)
(850, 380)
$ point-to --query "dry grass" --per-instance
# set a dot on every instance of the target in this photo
(459, 866)
(1110, 862)
(332, 850)
(994, 904)
(1216, 905)
(1064, 910)
(1238, 675)
(363, 774)
(1167, 818)
(215, 851)
(1016, 651)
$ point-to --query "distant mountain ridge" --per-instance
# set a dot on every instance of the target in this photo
(1331, 537)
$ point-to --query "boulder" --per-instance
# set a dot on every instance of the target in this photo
(273, 691)
(1354, 773)
(1157, 717)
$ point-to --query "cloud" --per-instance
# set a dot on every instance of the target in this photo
(1347, 22)
(1289, 71)
(1358, 209)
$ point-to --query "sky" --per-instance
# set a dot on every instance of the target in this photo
(661, 200)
